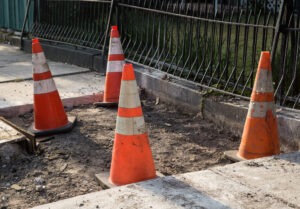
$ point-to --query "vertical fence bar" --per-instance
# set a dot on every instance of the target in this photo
(277, 29)
(24, 23)
(108, 26)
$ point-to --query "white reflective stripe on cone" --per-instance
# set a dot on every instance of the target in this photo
(115, 66)
(37, 68)
(259, 109)
(44, 86)
(264, 83)
(38, 58)
(130, 126)
(129, 95)
(115, 46)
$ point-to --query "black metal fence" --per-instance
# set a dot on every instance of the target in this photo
(213, 43)
(286, 58)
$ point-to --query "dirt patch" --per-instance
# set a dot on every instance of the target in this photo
(65, 166)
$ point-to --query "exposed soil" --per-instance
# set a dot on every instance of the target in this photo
(65, 166)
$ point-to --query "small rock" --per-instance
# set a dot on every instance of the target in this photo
(16, 187)
(39, 181)
(37, 173)
(168, 124)
(157, 101)
(193, 158)
(51, 158)
(61, 152)
(62, 168)
(165, 77)
(83, 189)
(39, 188)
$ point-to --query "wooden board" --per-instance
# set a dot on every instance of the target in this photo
(9, 134)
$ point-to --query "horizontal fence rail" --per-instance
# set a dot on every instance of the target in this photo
(286, 60)
(212, 43)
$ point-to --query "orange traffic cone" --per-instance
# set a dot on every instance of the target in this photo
(49, 113)
(260, 135)
(115, 63)
(132, 158)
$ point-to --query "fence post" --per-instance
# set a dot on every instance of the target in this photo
(281, 21)
(112, 5)
(292, 7)
(117, 14)
(24, 24)
(277, 29)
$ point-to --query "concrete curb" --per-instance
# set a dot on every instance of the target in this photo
(87, 58)
(229, 114)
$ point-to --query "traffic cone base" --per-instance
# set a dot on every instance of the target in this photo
(71, 122)
(105, 182)
(135, 157)
(233, 156)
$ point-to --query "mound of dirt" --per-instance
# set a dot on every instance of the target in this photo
(65, 166)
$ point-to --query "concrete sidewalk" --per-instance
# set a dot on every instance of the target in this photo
(271, 182)
(76, 85)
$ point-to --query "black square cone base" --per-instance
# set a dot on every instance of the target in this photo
(106, 104)
(70, 125)
(103, 179)
(232, 155)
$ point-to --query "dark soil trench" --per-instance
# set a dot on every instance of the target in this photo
(65, 166)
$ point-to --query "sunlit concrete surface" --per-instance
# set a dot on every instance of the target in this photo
(271, 183)
(76, 85)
